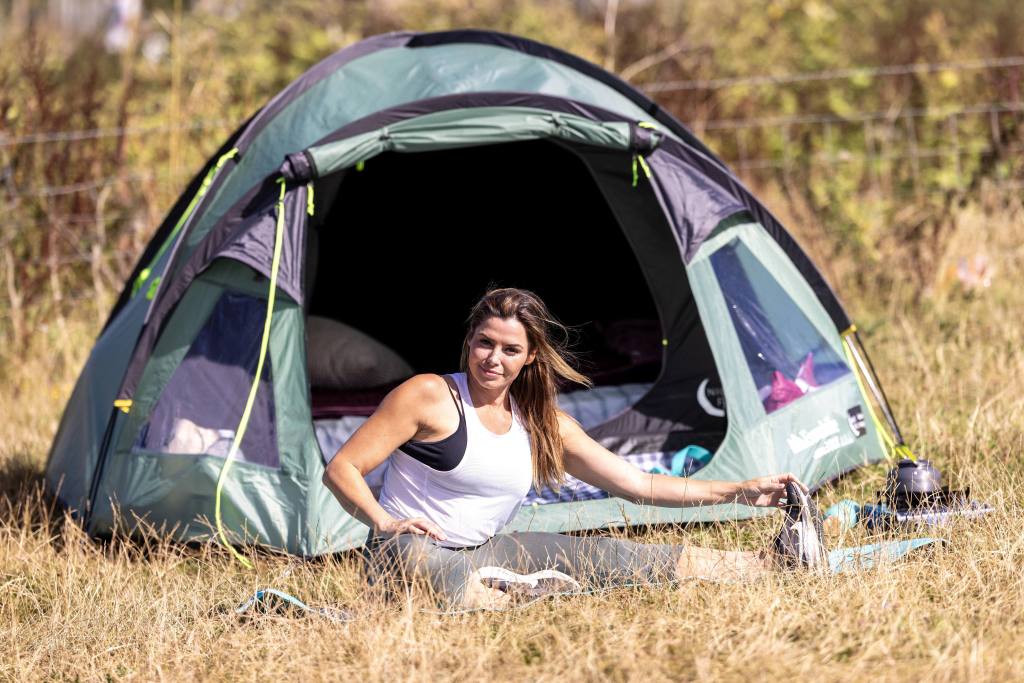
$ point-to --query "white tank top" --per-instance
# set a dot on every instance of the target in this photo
(480, 495)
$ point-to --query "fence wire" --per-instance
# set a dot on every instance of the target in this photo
(847, 73)
(97, 133)
(825, 122)
(758, 80)
(863, 116)
(43, 191)
(894, 138)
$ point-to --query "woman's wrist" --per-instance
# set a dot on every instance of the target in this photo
(725, 491)
(383, 524)
(736, 490)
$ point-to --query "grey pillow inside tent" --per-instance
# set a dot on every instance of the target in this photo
(342, 357)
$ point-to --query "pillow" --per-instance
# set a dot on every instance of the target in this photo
(342, 357)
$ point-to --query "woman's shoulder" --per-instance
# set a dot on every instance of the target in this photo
(424, 391)
(424, 400)
(567, 424)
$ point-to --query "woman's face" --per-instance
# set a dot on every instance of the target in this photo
(498, 350)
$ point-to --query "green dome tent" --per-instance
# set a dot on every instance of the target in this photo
(336, 242)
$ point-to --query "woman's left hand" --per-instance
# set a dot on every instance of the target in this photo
(767, 491)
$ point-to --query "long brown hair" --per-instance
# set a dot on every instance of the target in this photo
(536, 387)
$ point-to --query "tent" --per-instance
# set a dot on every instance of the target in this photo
(335, 243)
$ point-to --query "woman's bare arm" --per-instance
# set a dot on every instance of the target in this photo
(589, 461)
(402, 414)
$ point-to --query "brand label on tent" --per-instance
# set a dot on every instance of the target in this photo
(855, 416)
(823, 437)
(711, 399)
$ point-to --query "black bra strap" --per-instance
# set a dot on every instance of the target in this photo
(455, 397)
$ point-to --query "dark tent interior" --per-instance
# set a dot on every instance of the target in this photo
(412, 241)
(403, 248)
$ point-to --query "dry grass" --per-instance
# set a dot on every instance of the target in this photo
(70, 608)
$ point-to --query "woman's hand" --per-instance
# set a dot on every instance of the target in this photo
(403, 412)
(591, 462)
(767, 491)
(418, 526)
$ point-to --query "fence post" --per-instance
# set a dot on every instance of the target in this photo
(787, 156)
(869, 145)
(97, 255)
(741, 147)
(17, 309)
(954, 134)
(915, 154)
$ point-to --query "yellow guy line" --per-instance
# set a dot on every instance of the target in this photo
(243, 424)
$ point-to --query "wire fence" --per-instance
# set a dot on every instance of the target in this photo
(897, 150)
(887, 142)
(945, 141)
(848, 73)
(895, 124)
(757, 80)
(892, 115)
(98, 133)
(76, 188)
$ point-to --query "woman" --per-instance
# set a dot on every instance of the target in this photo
(471, 444)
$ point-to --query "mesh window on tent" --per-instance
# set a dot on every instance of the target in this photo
(788, 357)
(200, 408)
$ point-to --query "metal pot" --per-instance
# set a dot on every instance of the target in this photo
(911, 480)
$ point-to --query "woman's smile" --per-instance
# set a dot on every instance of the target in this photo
(498, 350)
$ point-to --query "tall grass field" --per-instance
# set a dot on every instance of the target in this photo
(146, 609)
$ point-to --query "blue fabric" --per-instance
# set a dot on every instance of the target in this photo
(881, 516)
(685, 462)
(867, 556)
(273, 601)
(848, 512)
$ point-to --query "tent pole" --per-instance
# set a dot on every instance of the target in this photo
(97, 473)
(860, 354)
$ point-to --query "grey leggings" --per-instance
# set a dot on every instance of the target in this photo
(594, 561)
